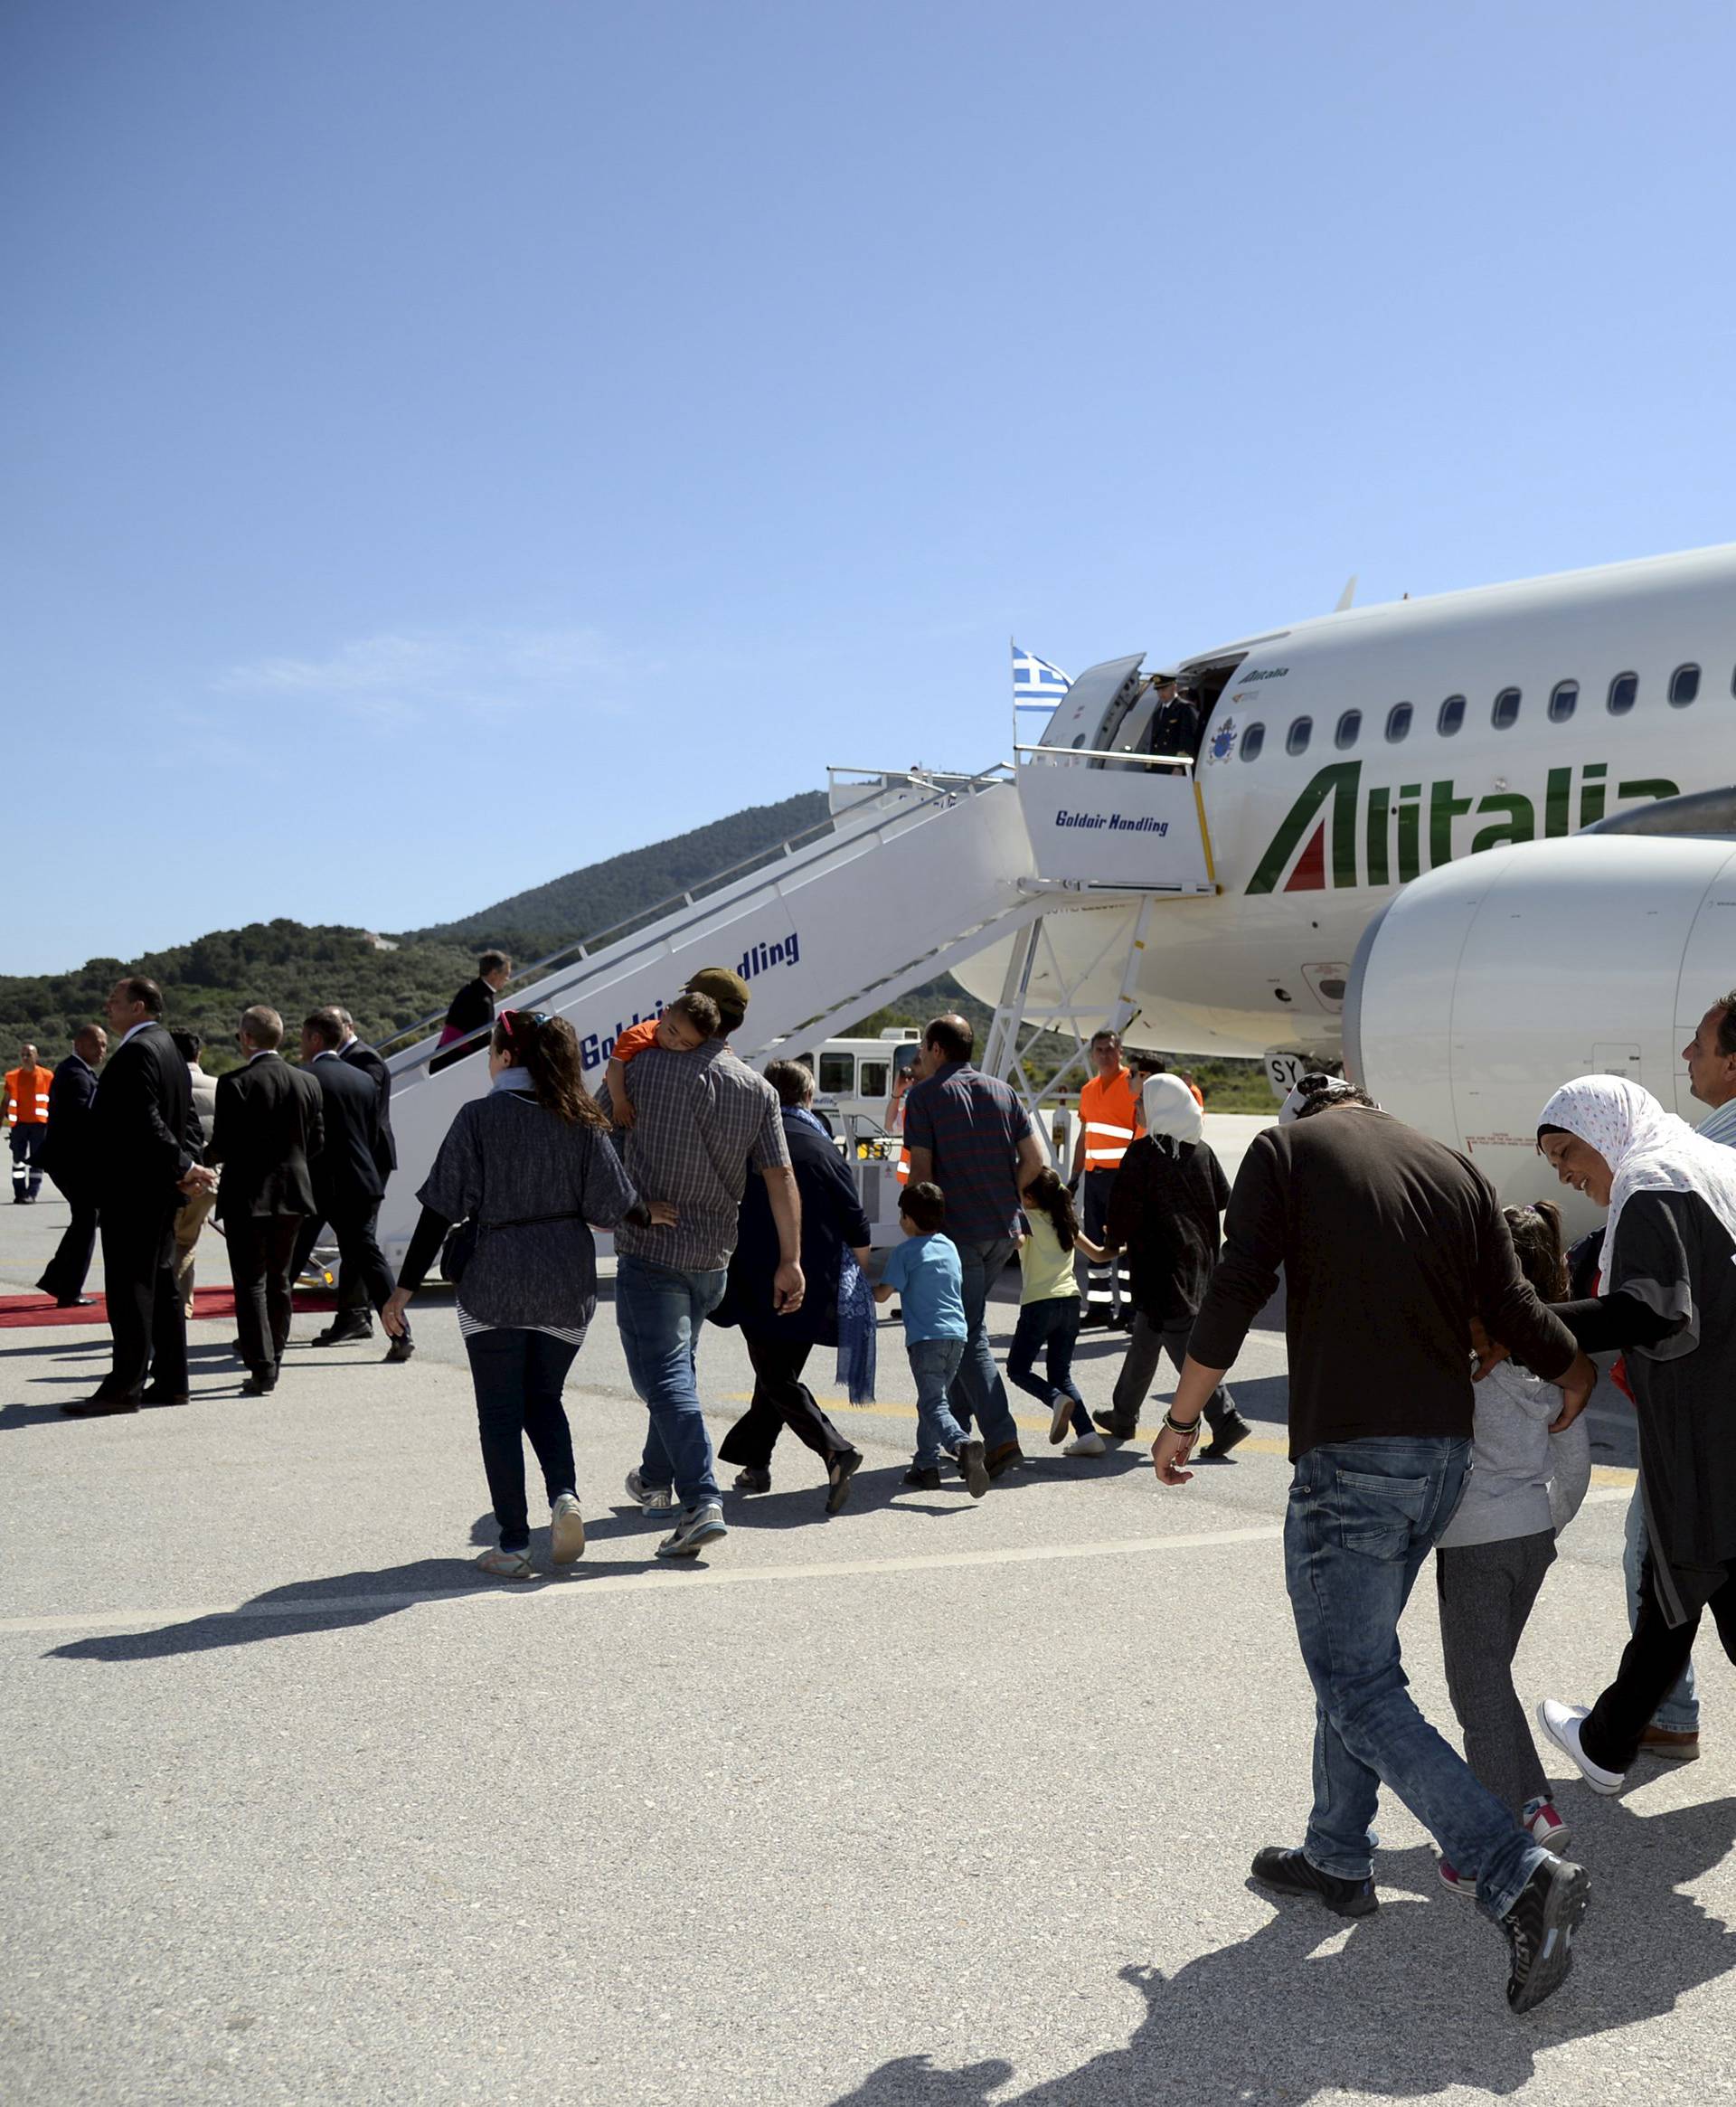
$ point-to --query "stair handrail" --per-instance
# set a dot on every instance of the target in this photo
(945, 789)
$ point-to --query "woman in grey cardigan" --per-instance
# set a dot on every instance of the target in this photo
(531, 1164)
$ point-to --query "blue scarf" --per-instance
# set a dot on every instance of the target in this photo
(858, 1332)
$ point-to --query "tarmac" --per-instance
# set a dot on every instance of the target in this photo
(933, 1801)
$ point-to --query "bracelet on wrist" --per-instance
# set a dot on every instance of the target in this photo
(1189, 1427)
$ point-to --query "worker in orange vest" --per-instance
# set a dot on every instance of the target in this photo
(26, 1123)
(1108, 1122)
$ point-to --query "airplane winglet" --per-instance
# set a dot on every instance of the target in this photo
(1347, 596)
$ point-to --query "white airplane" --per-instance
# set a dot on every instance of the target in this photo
(1382, 798)
(1344, 756)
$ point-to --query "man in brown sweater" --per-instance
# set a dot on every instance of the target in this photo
(1390, 1244)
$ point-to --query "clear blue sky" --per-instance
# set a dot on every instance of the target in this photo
(442, 444)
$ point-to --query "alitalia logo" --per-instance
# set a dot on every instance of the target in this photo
(1338, 834)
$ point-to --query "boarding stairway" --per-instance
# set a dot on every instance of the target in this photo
(915, 873)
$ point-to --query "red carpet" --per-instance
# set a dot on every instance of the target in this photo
(216, 1304)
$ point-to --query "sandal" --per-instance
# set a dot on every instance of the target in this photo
(506, 1564)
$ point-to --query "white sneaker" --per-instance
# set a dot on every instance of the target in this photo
(1061, 1419)
(1087, 1445)
(1560, 1723)
(566, 1529)
(697, 1526)
(650, 1499)
(506, 1565)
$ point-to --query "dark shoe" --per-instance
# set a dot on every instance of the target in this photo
(1007, 1456)
(75, 1302)
(1673, 1745)
(99, 1407)
(973, 1468)
(1117, 1429)
(843, 1467)
(749, 1479)
(400, 1350)
(262, 1383)
(343, 1332)
(153, 1393)
(919, 1477)
(1231, 1431)
(235, 1349)
(1291, 1874)
(1539, 1927)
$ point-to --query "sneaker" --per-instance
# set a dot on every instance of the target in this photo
(1290, 1872)
(841, 1468)
(1545, 1826)
(697, 1528)
(650, 1499)
(1458, 1883)
(1117, 1429)
(973, 1468)
(748, 1480)
(1059, 1419)
(1087, 1445)
(1673, 1745)
(923, 1478)
(1007, 1456)
(566, 1529)
(506, 1564)
(1539, 1927)
(1560, 1723)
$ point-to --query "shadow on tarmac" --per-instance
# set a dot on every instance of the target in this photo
(1400, 2004)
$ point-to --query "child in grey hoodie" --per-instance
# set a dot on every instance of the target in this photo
(1524, 1485)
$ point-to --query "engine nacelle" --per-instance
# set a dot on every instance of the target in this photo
(1482, 987)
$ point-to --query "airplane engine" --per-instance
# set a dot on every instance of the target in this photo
(1480, 988)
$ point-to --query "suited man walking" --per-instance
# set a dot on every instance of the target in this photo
(66, 1158)
(348, 1185)
(142, 1157)
(269, 1129)
(355, 1318)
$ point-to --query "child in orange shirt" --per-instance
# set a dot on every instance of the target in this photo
(688, 1021)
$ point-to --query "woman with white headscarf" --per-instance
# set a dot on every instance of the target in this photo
(1169, 1192)
(1667, 1299)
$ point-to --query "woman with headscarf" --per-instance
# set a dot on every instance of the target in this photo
(1169, 1192)
(1667, 1299)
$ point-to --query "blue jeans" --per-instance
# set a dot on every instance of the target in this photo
(1362, 1516)
(518, 1377)
(935, 1362)
(1680, 1711)
(659, 1311)
(977, 1394)
(1050, 1327)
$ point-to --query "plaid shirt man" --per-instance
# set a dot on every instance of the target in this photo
(704, 1121)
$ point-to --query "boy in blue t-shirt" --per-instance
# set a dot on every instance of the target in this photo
(925, 1273)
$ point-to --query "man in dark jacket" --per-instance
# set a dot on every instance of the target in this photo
(779, 1343)
(142, 1153)
(1390, 1244)
(66, 1158)
(348, 1186)
(269, 1125)
(353, 1320)
(472, 1010)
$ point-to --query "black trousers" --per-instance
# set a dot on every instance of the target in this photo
(360, 1256)
(262, 1265)
(780, 1398)
(63, 1276)
(145, 1309)
(1654, 1656)
(352, 1289)
(27, 1146)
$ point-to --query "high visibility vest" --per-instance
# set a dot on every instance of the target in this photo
(1109, 1112)
(28, 1096)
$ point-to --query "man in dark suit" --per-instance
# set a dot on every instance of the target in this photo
(354, 1320)
(270, 1127)
(66, 1158)
(348, 1186)
(142, 1160)
(472, 1010)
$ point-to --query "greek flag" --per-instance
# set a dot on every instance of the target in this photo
(1037, 684)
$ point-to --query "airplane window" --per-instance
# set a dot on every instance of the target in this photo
(1296, 740)
(1452, 715)
(1252, 739)
(1624, 693)
(1563, 700)
(1685, 685)
(1505, 712)
(1398, 723)
(1349, 725)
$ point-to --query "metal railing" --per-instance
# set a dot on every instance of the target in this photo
(943, 790)
(1177, 763)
